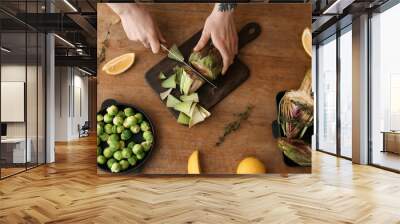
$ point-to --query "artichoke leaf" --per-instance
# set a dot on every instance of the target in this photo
(196, 117)
(194, 97)
(170, 82)
(162, 76)
(175, 54)
(183, 119)
(165, 94)
(184, 107)
(172, 101)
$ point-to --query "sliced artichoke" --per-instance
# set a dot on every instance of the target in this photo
(162, 76)
(184, 107)
(165, 94)
(183, 119)
(170, 82)
(194, 97)
(175, 54)
(172, 101)
(196, 117)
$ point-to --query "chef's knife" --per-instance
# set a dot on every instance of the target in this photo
(191, 68)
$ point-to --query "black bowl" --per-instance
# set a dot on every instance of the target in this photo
(136, 137)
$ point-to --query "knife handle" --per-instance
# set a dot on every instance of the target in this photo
(248, 33)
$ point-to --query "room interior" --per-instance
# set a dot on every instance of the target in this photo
(334, 72)
(50, 83)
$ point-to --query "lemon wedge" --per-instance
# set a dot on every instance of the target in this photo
(194, 163)
(250, 165)
(119, 64)
(306, 39)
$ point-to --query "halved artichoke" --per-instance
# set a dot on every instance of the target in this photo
(296, 150)
(208, 61)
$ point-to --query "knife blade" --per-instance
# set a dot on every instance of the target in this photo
(191, 68)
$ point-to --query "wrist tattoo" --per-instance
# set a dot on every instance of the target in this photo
(226, 7)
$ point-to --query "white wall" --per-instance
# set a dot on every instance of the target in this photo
(67, 113)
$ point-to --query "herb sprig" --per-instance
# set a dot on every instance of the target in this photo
(104, 44)
(235, 125)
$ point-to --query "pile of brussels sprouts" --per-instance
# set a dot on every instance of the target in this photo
(123, 138)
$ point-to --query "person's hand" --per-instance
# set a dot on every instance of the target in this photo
(220, 27)
(139, 25)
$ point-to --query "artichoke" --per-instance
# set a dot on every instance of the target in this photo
(208, 61)
(296, 110)
(296, 150)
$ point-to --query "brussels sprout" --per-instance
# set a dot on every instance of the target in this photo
(104, 137)
(132, 160)
(98, 140)
(113, 149)
(114, 137)
(137, 149)
(114, 129)
(100, 117)
(125, 124)
(120, 128)
(131, 144)
(140, 156)
(130, 121)
(126, 134)
(121, 114)
(126, 153)
(114, 145)
(108, 118)
(148, 136)
(107, 152)
(146, 145)
(135, 129)
(108, 128)
(118, 120)
(98, 150)
(124, 164)
(115, 168)
(129, 112)
(121, 144)
(117, 155)
(144, 126)
(100, 129)
(101, 159)
(112, 110)
(139, 117)
(110, 162)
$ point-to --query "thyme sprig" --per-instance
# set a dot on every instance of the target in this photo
(104, 44)
(235, 125)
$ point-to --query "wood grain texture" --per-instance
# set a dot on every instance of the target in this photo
(70, 191)
(276, 60)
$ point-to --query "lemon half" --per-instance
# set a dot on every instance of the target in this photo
(119, 64)
(251, 165)
(306, 39)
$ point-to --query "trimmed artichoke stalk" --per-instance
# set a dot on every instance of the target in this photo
(296, 110)
(296, 150)
(208, 61)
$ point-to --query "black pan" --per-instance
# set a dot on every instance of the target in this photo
(136, 137)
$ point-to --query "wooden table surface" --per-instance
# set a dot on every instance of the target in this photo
(276, 60)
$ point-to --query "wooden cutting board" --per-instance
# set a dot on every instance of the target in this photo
(209, 96)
